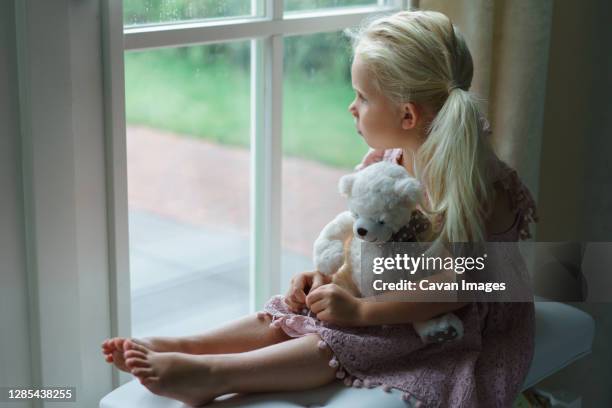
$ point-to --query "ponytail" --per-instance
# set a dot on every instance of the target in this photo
(451, 164)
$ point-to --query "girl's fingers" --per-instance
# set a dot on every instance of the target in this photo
(318, 306)
(315, 295)
(298, 287)
(290, 304)
(293, 305)
(324, 316)
(298, 297)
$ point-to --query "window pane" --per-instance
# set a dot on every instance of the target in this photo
(320, 143)
(295, 5)
(188, 167)
(137, 12)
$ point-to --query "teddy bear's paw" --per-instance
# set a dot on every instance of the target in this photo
(442, 329)
(449, 334)
(329, 256)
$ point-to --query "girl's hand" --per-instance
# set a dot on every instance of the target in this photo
(334, 304)
(301, 284)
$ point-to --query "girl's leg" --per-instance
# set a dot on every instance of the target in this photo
(296, 364)
(244, 334)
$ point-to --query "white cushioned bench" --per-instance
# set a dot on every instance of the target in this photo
(563, 335)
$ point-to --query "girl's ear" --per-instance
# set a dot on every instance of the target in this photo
(346, 184)
(410, 115)
(410, 190)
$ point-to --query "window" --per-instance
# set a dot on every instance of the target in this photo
(187, 113)
(319, 141)
(298, 5)
(147, 12)
(220, 101)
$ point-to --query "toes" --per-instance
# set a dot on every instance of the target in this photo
(107, 346)
(117, 355)
(142, 373)
(131, 345)
(148, 381)
(118, 343)
(134, 354)
(135, 358)
(139, 342)
(137, 362)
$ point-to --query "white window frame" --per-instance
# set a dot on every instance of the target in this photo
(266, 35)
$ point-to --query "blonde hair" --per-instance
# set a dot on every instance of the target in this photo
(420, 57)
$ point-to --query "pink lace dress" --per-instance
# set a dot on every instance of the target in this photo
(485, 368)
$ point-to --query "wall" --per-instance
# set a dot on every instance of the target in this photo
(54, 270)
(14, 347)
(575, 199)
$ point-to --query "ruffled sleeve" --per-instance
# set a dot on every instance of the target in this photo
(376, 155)
(522, 200)
(371, 157)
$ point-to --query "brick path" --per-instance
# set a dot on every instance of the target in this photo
(207, 184)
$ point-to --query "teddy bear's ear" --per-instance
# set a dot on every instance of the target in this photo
(410, 190)
(345, 185)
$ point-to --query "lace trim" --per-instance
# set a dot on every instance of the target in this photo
(288, 323)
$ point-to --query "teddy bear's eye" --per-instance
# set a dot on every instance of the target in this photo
(381, 222)
(354, 214)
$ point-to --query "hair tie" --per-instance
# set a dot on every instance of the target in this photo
(452, 88)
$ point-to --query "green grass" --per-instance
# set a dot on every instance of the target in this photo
(168, 93)
(212, 102)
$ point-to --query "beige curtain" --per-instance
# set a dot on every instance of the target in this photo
(509, 41)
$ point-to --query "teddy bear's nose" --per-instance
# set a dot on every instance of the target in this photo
(362, 231)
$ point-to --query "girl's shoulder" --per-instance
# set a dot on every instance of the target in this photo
(514, 209)
(514, 201)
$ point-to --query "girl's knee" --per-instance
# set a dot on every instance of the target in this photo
(273, 329)
(321, 345)
(325, 353)
(264, 317)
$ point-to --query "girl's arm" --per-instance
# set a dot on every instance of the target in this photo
(334, 304)
(376, 313)
(411, 306)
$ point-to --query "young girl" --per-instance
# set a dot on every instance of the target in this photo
(412, 73)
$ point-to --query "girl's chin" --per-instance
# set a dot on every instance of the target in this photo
(376, 144)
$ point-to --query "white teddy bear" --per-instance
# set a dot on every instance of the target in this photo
(381, 200)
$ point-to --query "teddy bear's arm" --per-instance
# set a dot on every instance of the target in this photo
(329, 246)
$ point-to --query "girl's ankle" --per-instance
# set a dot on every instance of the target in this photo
(189, 345)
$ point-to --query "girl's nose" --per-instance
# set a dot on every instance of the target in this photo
(352, 109)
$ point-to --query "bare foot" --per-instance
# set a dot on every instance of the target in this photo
(113, 352)
(184, 377)
(113, 349)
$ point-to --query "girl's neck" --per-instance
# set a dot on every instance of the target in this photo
(409, 150)
(407, 160)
